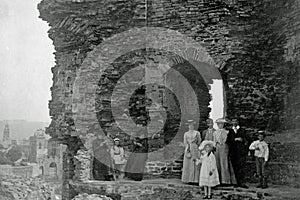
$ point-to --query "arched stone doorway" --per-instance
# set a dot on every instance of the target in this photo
(41, 170)
(53, 170)
(100, 61)
(181, 65)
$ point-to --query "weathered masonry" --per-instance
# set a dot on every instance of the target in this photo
(251, 46)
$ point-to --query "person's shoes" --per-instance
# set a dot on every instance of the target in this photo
(205, 197)
(209, 197)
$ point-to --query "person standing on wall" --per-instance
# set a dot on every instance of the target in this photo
(238, 151)
(225, 170)
(208, 134)
(191, 140)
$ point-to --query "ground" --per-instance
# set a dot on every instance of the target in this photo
(167, 189)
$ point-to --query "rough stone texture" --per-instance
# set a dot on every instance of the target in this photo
(159, 189)
(54, 158)
(254, 44)
(91, 197)
(83, 165)
(164, 169)
(16, 188)
(270, 65)
(20, 171)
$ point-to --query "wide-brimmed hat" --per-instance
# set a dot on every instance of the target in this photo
(221, 120)
(116, 139)
(190, 121)
(206, 142)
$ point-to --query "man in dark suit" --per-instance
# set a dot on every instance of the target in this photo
(238, 151)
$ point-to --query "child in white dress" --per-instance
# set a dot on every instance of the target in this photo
(209, 176)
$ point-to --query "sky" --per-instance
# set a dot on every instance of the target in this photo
(26, 59)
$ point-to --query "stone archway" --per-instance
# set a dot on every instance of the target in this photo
(41, 170)
(111, 49)
(53, 170)
(129, 54)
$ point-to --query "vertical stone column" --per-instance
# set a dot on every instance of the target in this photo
(83, 160)
(69, 166)
(68, 173)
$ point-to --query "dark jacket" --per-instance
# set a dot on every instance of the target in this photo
(238, 148)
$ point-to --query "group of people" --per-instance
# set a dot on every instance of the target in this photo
(218, 156)
(213, 157)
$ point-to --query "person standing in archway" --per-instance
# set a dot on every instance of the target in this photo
(191, 140)
(238, 151)
(225, 170)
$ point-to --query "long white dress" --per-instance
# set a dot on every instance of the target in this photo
(209, 165)
(190, 170)
(225, 170)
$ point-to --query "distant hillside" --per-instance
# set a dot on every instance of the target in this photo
(21, 129)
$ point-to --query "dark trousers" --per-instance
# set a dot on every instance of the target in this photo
(238, 164)
(260, 166)
(261, 172)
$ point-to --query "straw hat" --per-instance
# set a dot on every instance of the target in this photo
(206, 142)
(221, 120)
(190, 121)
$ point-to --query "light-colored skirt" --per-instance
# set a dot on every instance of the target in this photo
(225, 169)
(190, 170)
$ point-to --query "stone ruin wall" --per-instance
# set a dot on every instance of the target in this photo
(254, 44)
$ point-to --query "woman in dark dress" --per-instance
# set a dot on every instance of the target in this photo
(102, 160)
(136, 162)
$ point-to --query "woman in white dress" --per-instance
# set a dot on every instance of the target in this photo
(192, 140)
(225, 170)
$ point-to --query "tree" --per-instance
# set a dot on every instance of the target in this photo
(4, 160)
(14, 154)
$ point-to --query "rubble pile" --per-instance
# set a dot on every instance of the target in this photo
(15, 188)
